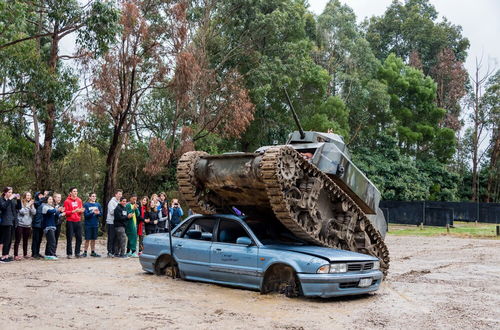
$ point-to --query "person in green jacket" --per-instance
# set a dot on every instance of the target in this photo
(131, 227)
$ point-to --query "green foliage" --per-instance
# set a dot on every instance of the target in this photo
(330, 115)
(414, 26)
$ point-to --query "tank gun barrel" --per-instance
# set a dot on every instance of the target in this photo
(301, 130)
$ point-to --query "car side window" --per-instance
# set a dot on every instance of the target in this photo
(229, 231)
(200, 229)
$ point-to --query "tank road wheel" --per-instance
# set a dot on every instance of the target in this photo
(287, 169)
(281, 279)
(163, 266)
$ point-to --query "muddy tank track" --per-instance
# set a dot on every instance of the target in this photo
(297, 192)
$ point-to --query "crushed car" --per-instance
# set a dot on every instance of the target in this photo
(259, 255)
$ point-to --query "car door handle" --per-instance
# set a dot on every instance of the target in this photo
(218, 250)
(178, 245)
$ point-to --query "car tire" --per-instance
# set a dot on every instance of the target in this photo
(281, 279)
(163, 266)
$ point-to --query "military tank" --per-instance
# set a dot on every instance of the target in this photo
(309, 185)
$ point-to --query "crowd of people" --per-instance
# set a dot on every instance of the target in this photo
(127, 222)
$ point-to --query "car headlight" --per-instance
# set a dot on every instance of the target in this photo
(376, 265)
(338, 268)
(323, 269)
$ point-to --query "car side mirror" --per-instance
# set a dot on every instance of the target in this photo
(244, 241)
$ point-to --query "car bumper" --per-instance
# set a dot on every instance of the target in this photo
(331, 285)
(147, 262)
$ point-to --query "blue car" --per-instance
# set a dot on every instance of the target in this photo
(259, 255)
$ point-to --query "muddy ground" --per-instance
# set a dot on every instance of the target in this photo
(434, 282)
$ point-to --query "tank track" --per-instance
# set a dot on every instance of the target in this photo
(295, 189)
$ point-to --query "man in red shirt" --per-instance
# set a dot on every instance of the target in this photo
(73, 208)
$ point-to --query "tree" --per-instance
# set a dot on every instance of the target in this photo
(132, 67)
(412, 31)
(41, 83)
(417, 115)
(481, 114)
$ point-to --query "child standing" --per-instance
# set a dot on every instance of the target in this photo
(131, 229)
(143, 211)
(121, 218)
(93, 211)
(23, 230)
(49, 228)
(151, 220)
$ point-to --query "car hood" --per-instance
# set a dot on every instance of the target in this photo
(333, 255)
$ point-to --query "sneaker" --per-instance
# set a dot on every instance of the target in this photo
(111, 255)
(123, 256)
(95, 255)
(78, 256)
(70, 256)
(18, 258)
(50, 258)
(84, 255)
(5, 260)
(134, 255)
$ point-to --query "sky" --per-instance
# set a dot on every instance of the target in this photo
(478, 18)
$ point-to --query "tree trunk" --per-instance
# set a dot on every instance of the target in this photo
(495, 154)
(44, 157)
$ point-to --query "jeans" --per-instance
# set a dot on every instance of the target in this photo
(24, 233)
(111, 237)
(73, 229)
(50, 247)
(120, 240)
(36, 242)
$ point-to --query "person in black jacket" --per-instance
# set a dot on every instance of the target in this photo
(151, 219)
(120, 221)
(36, 225)
(9, 207)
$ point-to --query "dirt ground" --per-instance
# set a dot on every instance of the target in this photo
(434, 282)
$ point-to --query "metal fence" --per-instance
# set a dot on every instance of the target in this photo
(439, 213)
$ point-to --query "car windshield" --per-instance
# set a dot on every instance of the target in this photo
(272, 232)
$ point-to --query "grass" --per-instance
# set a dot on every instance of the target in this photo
(460, 229)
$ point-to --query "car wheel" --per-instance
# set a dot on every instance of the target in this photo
(281, 279)
(163, 266)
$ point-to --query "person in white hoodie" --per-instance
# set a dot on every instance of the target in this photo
(110, 228)
(23, 230)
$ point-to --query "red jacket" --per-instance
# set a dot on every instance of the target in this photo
(71, 204)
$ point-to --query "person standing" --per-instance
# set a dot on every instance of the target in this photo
(23, 230)
(110, 220)
(131, 229)
(151, 220)
(176, 213)
(36, 226)
(163, 213)
(49, 228)
(8, 208)
(73, 208)
(143, 212)
(93, 211)
(60, 216)
(121, 218)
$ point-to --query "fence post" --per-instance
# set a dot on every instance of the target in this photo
(498, 230)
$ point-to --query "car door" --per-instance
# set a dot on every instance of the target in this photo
(230, 262)
(192, 249)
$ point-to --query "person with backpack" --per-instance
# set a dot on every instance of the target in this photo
(73, 207)
(93, 210)
(23, 230)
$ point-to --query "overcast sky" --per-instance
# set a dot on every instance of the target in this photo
(478, 18)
